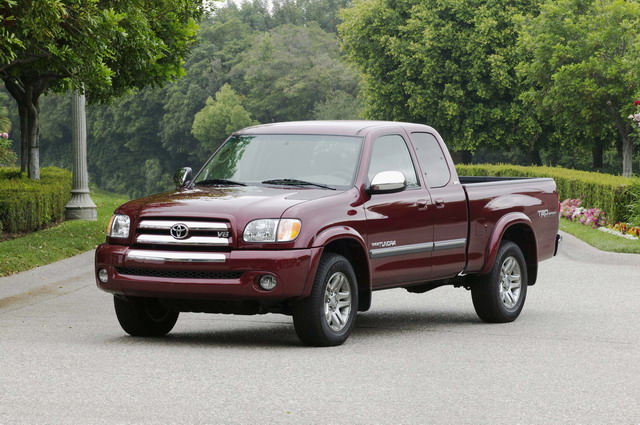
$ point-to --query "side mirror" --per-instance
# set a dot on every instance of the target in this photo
(388, 182)
(182, 176)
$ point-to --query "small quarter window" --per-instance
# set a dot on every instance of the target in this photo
(432, 159)
(390, 153)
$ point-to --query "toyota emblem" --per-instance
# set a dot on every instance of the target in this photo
(179, 231)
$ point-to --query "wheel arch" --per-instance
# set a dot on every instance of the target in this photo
(517, 228)
(348, 243)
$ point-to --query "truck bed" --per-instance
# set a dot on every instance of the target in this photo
(493, 200)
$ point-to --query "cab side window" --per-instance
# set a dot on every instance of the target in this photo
(390, 153)
(432, 159)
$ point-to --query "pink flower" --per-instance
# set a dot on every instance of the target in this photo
(4, 135)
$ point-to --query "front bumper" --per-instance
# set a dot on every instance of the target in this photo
(230, 275)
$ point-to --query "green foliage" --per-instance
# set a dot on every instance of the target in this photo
(105, 48)
(219, 118)
(450, 64)
(634, 206)
(7, 155)
(300, 12)
(136, 143)
(613, 194)
(581, 61)
(9, 43)
(5, 122)
(288, 70)
(338, 106)
(27, 205)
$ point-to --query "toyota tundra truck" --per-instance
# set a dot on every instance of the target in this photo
(309, 219)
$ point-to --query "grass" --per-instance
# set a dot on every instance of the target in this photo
(600, 240)
(61, 241)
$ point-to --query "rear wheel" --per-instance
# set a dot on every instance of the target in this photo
(499, 296)
(327, 316)
(140, 316)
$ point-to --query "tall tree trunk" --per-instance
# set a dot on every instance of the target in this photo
(627, 155)
(26, 94)
(626, 136)
(32, 132)
(533, 156)
(597, 155)
(24, 141)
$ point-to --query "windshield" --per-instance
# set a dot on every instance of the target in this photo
(285, 159)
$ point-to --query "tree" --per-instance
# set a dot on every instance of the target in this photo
(582, 62)
(219, 118)
(288, 70)
(450, 64)
(301, 12)
(338, 106)
(106, 48)
(221, 40)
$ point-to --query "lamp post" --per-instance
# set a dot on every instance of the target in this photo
(80, 206)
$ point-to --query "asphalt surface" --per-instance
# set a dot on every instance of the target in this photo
(573, 357)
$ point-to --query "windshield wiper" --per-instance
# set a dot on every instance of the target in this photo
(222, 182)
(296, 182)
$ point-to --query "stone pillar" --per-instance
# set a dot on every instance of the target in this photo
(80, 206)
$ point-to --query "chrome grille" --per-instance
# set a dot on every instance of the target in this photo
(183, 232)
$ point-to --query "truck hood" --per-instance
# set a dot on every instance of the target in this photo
(242, 203)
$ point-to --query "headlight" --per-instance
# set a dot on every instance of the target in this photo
(272, 230)
(119, 226)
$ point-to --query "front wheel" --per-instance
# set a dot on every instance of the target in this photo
(140, 316)
(498, 297)
(327, 316)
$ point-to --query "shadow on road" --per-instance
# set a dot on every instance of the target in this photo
(278, 334)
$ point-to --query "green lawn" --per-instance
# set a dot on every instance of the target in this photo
(601, 240)
(61, 241)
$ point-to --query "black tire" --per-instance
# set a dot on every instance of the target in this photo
(144, 316)
(323, 319)
(497, 298)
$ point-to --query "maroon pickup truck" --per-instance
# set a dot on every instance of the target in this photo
(310, 218)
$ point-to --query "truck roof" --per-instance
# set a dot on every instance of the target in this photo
(336, 127)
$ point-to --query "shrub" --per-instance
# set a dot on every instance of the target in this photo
(27, 205)
(7, 155)
(634, 207)
(612, 194)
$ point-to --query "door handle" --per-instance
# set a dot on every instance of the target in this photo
(439, 203)
(422, 204)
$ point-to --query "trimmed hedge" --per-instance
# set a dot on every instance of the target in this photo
(613, 194)
(27, 205)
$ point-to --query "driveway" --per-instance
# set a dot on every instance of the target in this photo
(573, 357)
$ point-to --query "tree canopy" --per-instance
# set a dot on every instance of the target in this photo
(219, 118)
(450, 64)
(304, 68)
(582, 69)
(136, 143)
(105, 48)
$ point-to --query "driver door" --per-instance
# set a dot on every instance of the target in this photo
(400, 236)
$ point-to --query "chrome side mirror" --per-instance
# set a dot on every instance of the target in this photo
(182, 176)
(388, 182)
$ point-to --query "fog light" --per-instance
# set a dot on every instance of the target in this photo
(103, 275)
(268, 282)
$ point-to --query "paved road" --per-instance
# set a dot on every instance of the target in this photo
(573, 357)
